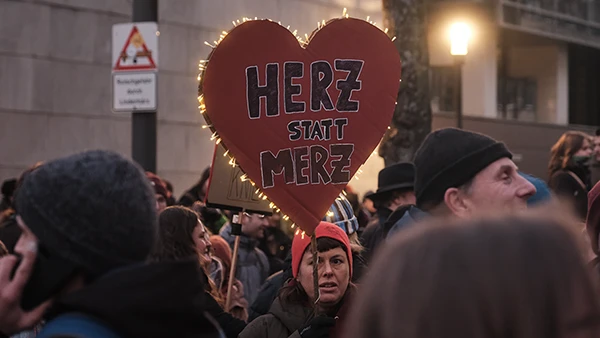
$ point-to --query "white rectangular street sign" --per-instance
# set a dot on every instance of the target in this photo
(134, 91)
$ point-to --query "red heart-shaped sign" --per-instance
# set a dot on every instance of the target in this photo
(301, 121)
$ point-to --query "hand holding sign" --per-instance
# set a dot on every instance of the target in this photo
(301, 121)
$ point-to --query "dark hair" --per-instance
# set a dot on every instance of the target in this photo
(385, 199)
(519, 277)
(205, 176)
(428, 206)
(563, 150)
(175, 242)
(175, 227)
(292, 292)
(168, 185)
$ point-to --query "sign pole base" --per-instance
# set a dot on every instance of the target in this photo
(236, 230)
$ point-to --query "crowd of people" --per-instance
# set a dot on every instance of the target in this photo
(459, 243)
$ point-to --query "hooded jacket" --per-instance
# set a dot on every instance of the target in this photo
(252, 266)
(148, 301)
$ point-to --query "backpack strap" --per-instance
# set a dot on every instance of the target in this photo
(577, 179)
(76, 325)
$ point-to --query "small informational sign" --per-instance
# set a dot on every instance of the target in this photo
(227, 190)
(135, 63)
(134, 91)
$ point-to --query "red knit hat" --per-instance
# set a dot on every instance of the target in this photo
(301, 242)
(158, 184)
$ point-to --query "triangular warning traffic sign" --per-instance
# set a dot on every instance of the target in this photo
(135, 55)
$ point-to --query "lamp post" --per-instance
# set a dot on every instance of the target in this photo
(460, 33)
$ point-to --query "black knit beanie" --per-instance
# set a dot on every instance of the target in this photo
(449, 158)
(95, 209)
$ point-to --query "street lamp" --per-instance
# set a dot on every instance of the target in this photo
(460, 33)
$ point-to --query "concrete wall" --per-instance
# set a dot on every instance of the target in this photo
(55, 94)
(548, 66)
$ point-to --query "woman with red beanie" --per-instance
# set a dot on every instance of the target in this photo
(295, 312)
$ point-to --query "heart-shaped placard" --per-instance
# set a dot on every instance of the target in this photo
(300, 121)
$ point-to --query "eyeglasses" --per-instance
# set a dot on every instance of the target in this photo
(260, 216)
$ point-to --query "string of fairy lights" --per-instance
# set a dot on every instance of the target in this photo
(303, 41)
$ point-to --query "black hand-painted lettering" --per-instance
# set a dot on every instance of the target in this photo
(318, 157)
(316, 132)
(321, 76)
(270, 91)
(306, 124)
(295, 131)
(327, 123)
(344, 152)
(291, 71)
(301, 163)
(340, 123)
(271, 165)
(350, 84)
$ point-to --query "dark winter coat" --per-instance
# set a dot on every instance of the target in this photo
(376, 234)
(284, 322)
(157, 300)
(572, 184)
(373, 233)
(269, 290)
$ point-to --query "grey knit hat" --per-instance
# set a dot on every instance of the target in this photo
(95, 209)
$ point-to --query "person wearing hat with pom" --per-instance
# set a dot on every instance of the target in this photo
(296, 312)
(395, 189)
(462, 174)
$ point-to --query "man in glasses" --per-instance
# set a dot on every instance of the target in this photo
(252, 265)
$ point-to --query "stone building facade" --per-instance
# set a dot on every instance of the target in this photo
(55, 75)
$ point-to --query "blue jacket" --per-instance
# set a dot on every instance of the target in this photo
(407, 219)
(252, 266)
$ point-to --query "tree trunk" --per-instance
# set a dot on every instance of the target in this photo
(405, 20)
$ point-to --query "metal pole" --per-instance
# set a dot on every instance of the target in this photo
(459, 112)
(143, 123)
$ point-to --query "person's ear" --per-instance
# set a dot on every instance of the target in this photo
(455, 201)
